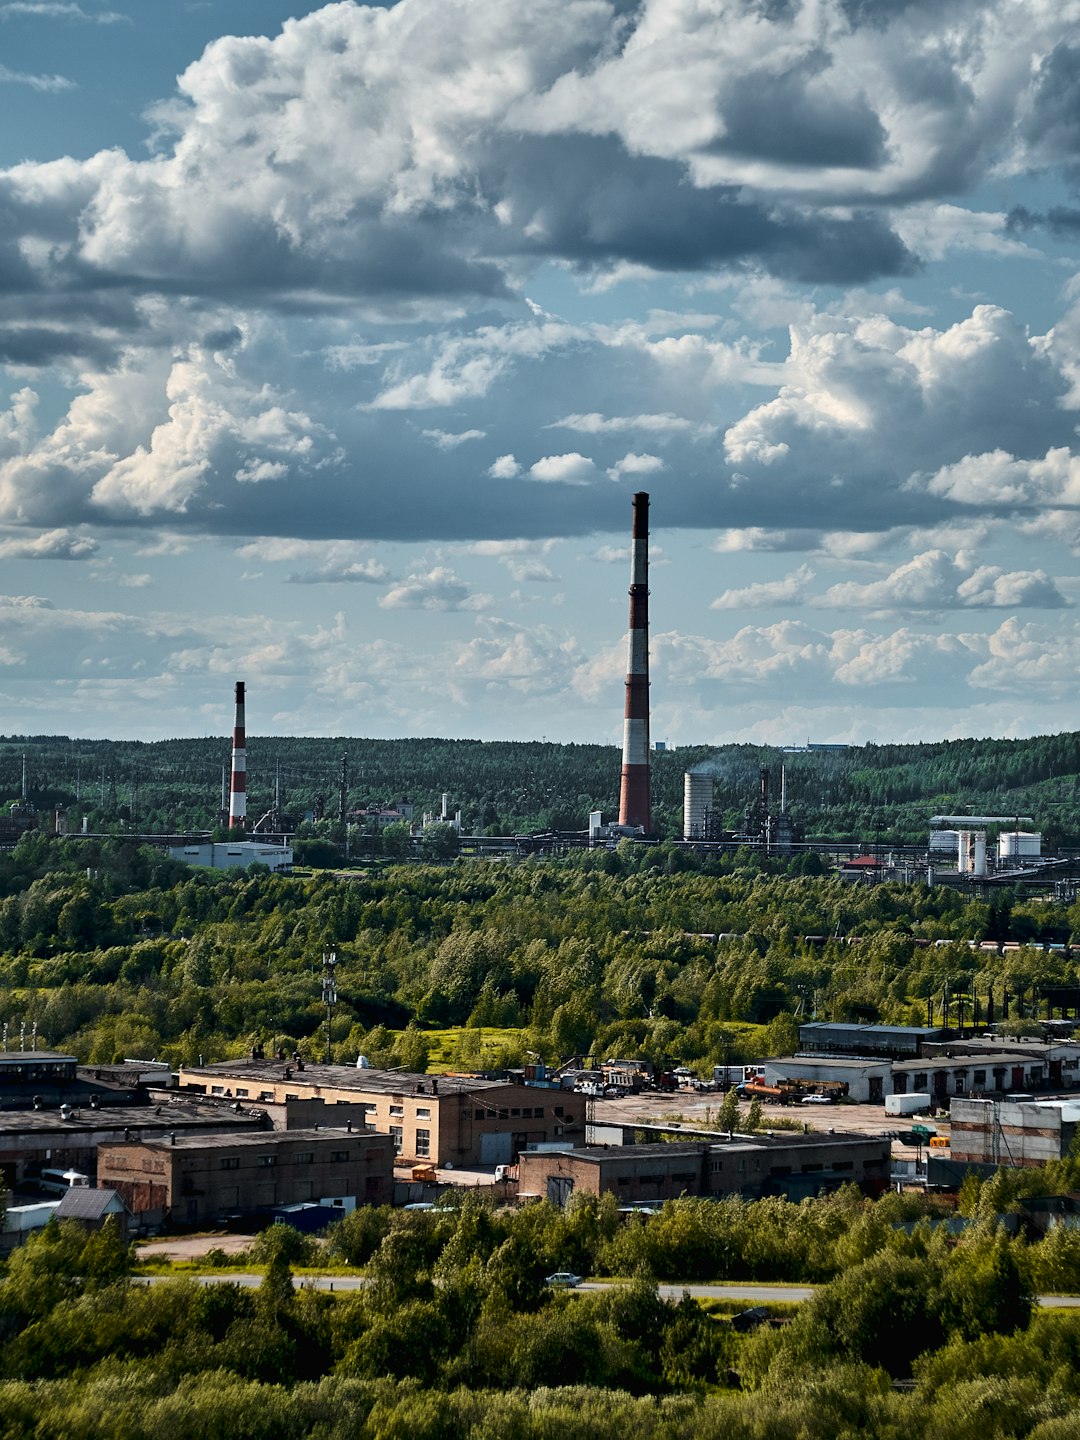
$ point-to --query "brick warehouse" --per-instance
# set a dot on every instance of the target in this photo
(792, 1165)
(197, 1180)
(444, 1119)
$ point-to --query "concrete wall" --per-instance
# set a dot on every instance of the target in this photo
(1010, 1132)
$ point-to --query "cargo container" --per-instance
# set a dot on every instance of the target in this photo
(907, 1104)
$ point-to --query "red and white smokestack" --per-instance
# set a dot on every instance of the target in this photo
(634, 799)
(238, 786)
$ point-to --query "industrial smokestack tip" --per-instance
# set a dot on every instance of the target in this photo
(239, 692)
(641, 515)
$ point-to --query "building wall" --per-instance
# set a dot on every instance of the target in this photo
(1011, 1133)
(868, 1080)
(196, 1183)
(639, 1174)
(428, 1120)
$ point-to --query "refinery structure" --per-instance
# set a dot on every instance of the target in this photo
(959, 849)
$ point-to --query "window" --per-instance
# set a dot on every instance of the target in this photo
(423, 1143)
(304, 1157)
(266, 1094)
(503, 1115)
(397, 1112)
(340, 1157)
(514, 1112)
(526, 1113)
(230, 1162)
(538, 1113)
(979, 1077)
(267, 1160)
(242, 1090)
(920, 1083)
(559, 1110)
(395, 1136)
(217, 1089)
(423, 1112)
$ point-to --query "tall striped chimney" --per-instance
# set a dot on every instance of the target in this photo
(634, 804)
(238, 786)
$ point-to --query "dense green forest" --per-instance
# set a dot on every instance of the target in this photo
(874, 792)
(912, 1334)
(114, 950)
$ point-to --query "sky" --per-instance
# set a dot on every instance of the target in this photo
(335, 342)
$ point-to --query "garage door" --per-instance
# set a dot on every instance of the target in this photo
(496, 1149)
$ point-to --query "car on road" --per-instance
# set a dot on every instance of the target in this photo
(563, 1280)
(817, 1100)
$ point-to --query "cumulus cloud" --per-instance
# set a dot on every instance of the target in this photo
(49, 545)
(764, 593)
(935, 581)
(568, 469)
(504, 468)
(635, 465)
(438, 589)
(357, 572)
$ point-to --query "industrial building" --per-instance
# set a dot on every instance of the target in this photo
(875, 1061)
(1012, 1131)
(205, 1179)
(233, 854)
(443, 1119)
(795, 1166)
(69, 1137)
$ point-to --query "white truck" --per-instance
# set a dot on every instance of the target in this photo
(907, 1104)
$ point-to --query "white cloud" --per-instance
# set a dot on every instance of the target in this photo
(934, 581)
(448, 440)
(504, 468)
(790, 590)
(597, 424)
(49, 84)
(569, 469)
(632, 464)
(438, 589)
(49, 545)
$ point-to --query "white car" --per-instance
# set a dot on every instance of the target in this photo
(563, 1280)
(817, 1100)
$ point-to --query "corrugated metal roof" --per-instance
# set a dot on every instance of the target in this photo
(84, 1204)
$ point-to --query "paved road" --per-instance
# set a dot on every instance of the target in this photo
(751, 1294)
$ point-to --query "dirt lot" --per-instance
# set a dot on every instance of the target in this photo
(699, 1109)
(192, 1247)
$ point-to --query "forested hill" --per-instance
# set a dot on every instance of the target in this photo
(881, 792)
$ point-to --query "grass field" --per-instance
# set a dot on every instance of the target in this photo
(747, 1040)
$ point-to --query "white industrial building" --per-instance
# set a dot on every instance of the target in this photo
(233, 854)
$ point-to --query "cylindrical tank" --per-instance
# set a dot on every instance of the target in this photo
(697, 800)
(980, 852)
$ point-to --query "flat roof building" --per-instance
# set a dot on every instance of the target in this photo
(444, 1119)
(205, 1179)
(792, 1165)
(1010, 1132)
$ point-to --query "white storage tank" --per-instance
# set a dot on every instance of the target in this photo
(1019, 845)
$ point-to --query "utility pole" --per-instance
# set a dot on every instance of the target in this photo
(329, 994)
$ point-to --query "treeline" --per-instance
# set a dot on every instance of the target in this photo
(883, 792)
(456, 1336)
(113, 951)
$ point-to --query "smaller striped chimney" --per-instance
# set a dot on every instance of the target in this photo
(238, 786)
(634, 795)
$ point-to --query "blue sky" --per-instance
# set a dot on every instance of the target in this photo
(334, 342)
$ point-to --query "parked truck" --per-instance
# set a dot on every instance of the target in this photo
(912, 1104)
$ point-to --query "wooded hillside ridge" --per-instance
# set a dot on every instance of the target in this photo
(869, 792)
